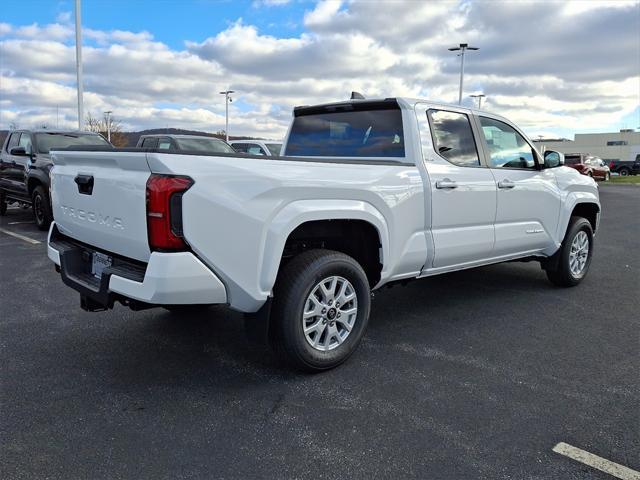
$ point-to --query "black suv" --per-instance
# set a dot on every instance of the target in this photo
(25, 165)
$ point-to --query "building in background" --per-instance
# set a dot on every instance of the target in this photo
(617, 146)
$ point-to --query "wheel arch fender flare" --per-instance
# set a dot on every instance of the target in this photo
(570, 203)
(36, 178)
(294, 214)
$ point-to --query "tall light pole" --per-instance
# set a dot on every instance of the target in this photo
(463, 47)
(227, 99)
(480, 96)
(79, 65)
(108, 115)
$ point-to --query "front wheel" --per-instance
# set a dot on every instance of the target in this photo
(571, 262)
(41, 208)
(623, 172)
(320, 310)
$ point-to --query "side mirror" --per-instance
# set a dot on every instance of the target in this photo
(18, 151)
(553, 159)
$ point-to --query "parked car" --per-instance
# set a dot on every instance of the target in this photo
(368, 192)
(25, 163)
(588, 165)
(193, 143)
(626, 167)
(257, 147)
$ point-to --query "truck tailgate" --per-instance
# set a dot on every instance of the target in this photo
(99, 198)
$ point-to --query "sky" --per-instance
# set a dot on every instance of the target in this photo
(554, 67)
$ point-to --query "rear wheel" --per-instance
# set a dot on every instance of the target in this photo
(320, 310)
(41, 208)
(3, 204)
(570, 264)
(623, 172)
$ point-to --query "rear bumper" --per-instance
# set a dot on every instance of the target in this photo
(167, 279)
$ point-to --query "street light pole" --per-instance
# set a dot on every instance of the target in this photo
(479, 97)
(463, 47)
(79, 65)
(108, 114)
(226, 94)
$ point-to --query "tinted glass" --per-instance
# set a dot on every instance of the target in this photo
(571, 160)
(240, 147)
(453, 137)
(164, 144)
(364, 133)
(13, 141)
(507, 148)
(209, 145)
(274, 148)
(149, 142)
(54, 141)
(254, 149)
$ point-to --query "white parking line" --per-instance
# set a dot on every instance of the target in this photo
(21, 237)
(20, 223)
(602, 464)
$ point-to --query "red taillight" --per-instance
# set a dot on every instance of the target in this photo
(164, 211)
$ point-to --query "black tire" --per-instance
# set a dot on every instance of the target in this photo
(294, 285)
(558, 271)
(590, 174)
(623, 172)
(41, 208)
(3, 204)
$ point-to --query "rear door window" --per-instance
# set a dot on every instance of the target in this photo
(149, 142)
(372, 129)
(164, 144)
(453, 137)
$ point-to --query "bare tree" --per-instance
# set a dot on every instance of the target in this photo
(97, 125)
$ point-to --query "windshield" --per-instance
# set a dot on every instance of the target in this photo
(56, 141)
(209, 145)
(274, 148)
(571, 160)
(366, 131)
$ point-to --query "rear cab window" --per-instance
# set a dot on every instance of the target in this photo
(367, 129)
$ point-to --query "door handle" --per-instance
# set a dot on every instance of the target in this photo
(446, 184)
(506, 183)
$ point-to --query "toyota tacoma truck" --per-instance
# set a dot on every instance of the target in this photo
(366, 193)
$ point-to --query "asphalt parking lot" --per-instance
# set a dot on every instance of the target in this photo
(476, 374)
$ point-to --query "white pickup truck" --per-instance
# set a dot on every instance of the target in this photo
(367, 192)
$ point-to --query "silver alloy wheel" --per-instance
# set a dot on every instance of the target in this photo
(330, 313)
(579, 253)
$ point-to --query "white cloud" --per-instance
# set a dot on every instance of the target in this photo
(378, 48)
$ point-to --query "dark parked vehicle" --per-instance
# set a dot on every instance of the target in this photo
(192, 143)
(624, 168)
(588, 165)
(25, 165)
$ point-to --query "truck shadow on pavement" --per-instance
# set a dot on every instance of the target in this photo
(210, 346)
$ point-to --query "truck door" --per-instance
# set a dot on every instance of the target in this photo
(14, 167)
(463, 191)
(528, 198)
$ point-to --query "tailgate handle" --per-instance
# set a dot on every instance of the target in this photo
(85, 184)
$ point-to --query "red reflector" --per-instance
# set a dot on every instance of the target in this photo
(163, 233)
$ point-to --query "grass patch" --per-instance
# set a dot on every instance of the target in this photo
(628, 179)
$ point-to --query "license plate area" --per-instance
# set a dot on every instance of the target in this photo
(100, 261)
